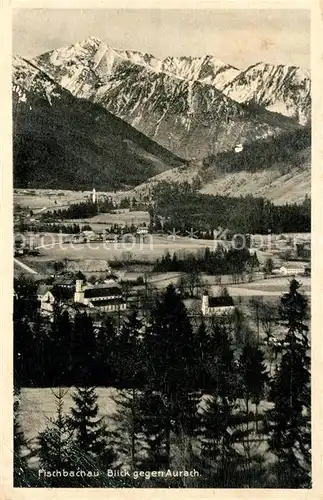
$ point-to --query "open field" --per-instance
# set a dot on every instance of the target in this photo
(279, 284)
(94, 256)
(154, 245)
(91, 260)
(38, 199)
(121, 217)
(244, 291)
(275, 285)
(265, 287)
(148, 249)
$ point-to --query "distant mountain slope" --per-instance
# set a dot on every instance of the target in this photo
(282, 89)
(184, 114)
(272, 184)
(273, 175)
(64, 142)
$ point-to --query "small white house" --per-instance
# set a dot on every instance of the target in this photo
(47, 302)
(42, 289)
(291, 270)
(89, 235)
(238, 148)
(212, 306)
(142, 230)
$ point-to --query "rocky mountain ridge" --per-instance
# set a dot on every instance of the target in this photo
(177, 102)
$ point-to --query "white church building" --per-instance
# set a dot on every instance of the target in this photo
(212, 306)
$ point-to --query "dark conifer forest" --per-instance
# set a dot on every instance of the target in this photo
(192, 396)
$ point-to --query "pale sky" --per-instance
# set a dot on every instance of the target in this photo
(239, 37)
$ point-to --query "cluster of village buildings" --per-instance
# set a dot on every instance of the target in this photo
(77, 295)
(74, 294)
(108, 297)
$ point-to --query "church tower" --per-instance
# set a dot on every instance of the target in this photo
(93, 196)
(205, 303)
(79, 292)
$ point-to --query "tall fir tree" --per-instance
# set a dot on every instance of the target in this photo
(154, 426)
(219, 425)
(126, 435)
(243, 334)
(24, 352)
(170, 363)
(253, 377)
(128, 355)
(202, 345)
(127, 352)
(61, 348)
(103, 373)
(25, 301)
(289, 421)
(55, 443)
(90, 434)
(83, 350)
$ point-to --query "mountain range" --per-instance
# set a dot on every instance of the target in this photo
(279, 88)
(181, 103)
(172, 112)
(60, 141)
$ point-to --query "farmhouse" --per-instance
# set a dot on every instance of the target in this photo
(106, 297)
(89, 236)
(42, 289)
(47, 301)
(66, 281)
(216, 305)
(142, 230)
(291, 269)
(50, 296)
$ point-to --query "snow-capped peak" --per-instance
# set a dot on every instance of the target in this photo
(91, 40)
(216, 61)
(283, 89)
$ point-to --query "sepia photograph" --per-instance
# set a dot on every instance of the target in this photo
(161, 248)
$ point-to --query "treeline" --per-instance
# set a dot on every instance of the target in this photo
(86, 209)
(265, 153)
(74, 211)
(190, 400)
(133, 203)
(52, 228)
(185, 210)
(218, 261)
(81, 210)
